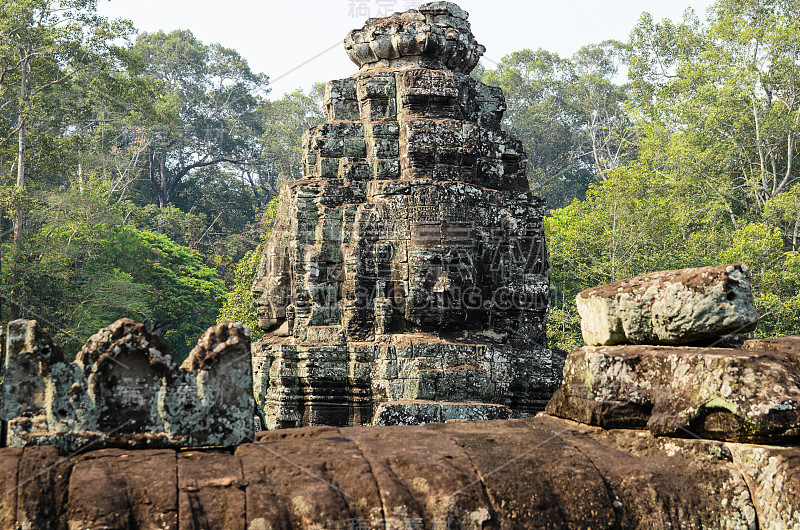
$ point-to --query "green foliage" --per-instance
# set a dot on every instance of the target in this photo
(729, 88)
(776, 277)
(569, 115)
(206, 112)
(239, 305)
(151, 169)
(57, 60)
(717, 108)
(82, 268)
(632, 223)
(286, 120)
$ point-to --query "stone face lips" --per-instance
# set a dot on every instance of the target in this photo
(436, 36)
(124, 389)
(669, 307)
(725, 394)
(409, 263)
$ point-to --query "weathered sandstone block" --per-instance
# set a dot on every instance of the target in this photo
(124, 389)
(789, 345)
(669, 307)
(535, 473)
(723, 394)
(773, 477)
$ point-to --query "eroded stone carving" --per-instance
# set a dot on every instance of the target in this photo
(669, 307)
(436, 36)
(747, 395)
(409, 263)
(124, 389)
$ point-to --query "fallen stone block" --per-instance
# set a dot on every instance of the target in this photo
(669, 307)
(716, 393)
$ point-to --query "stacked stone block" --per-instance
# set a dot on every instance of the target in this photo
(409, 263)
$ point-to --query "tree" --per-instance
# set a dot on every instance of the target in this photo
(714, 179)
(239, 304)
(285, 120)
(85, 266)
(207, 112)
(569, 114)
(728, 91)
(536, 86)
(600, 103)
(47, 50)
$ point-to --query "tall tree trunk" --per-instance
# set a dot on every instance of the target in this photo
(2, 322)
(163, 196)
(14, 310)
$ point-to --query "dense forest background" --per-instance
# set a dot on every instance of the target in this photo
(138, 171)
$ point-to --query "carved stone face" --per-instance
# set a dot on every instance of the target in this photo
(271, 288)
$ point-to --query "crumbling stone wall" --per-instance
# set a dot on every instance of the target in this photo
(539, 472)
(409, 263)
(124, 389)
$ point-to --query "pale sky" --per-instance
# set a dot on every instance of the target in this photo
(298, 42)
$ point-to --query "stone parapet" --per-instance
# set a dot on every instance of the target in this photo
(123, 389)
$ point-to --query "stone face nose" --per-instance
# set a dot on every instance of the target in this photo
(435, 36)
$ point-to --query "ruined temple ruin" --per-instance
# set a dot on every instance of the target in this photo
(405, 279)
(637, 436)
(641, 433)
(124, 389)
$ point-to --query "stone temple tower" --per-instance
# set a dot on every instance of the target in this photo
(406, 277)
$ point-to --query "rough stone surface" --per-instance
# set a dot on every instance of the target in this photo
(422, 412)
(123, 389)
(773, 476)
(669, 307)
(211, 491)
(723, 394)
(437, 36)
(409, 263)
(540, 472)
(665, 482)
(789, 345)
(9, 469)
(109, 488)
